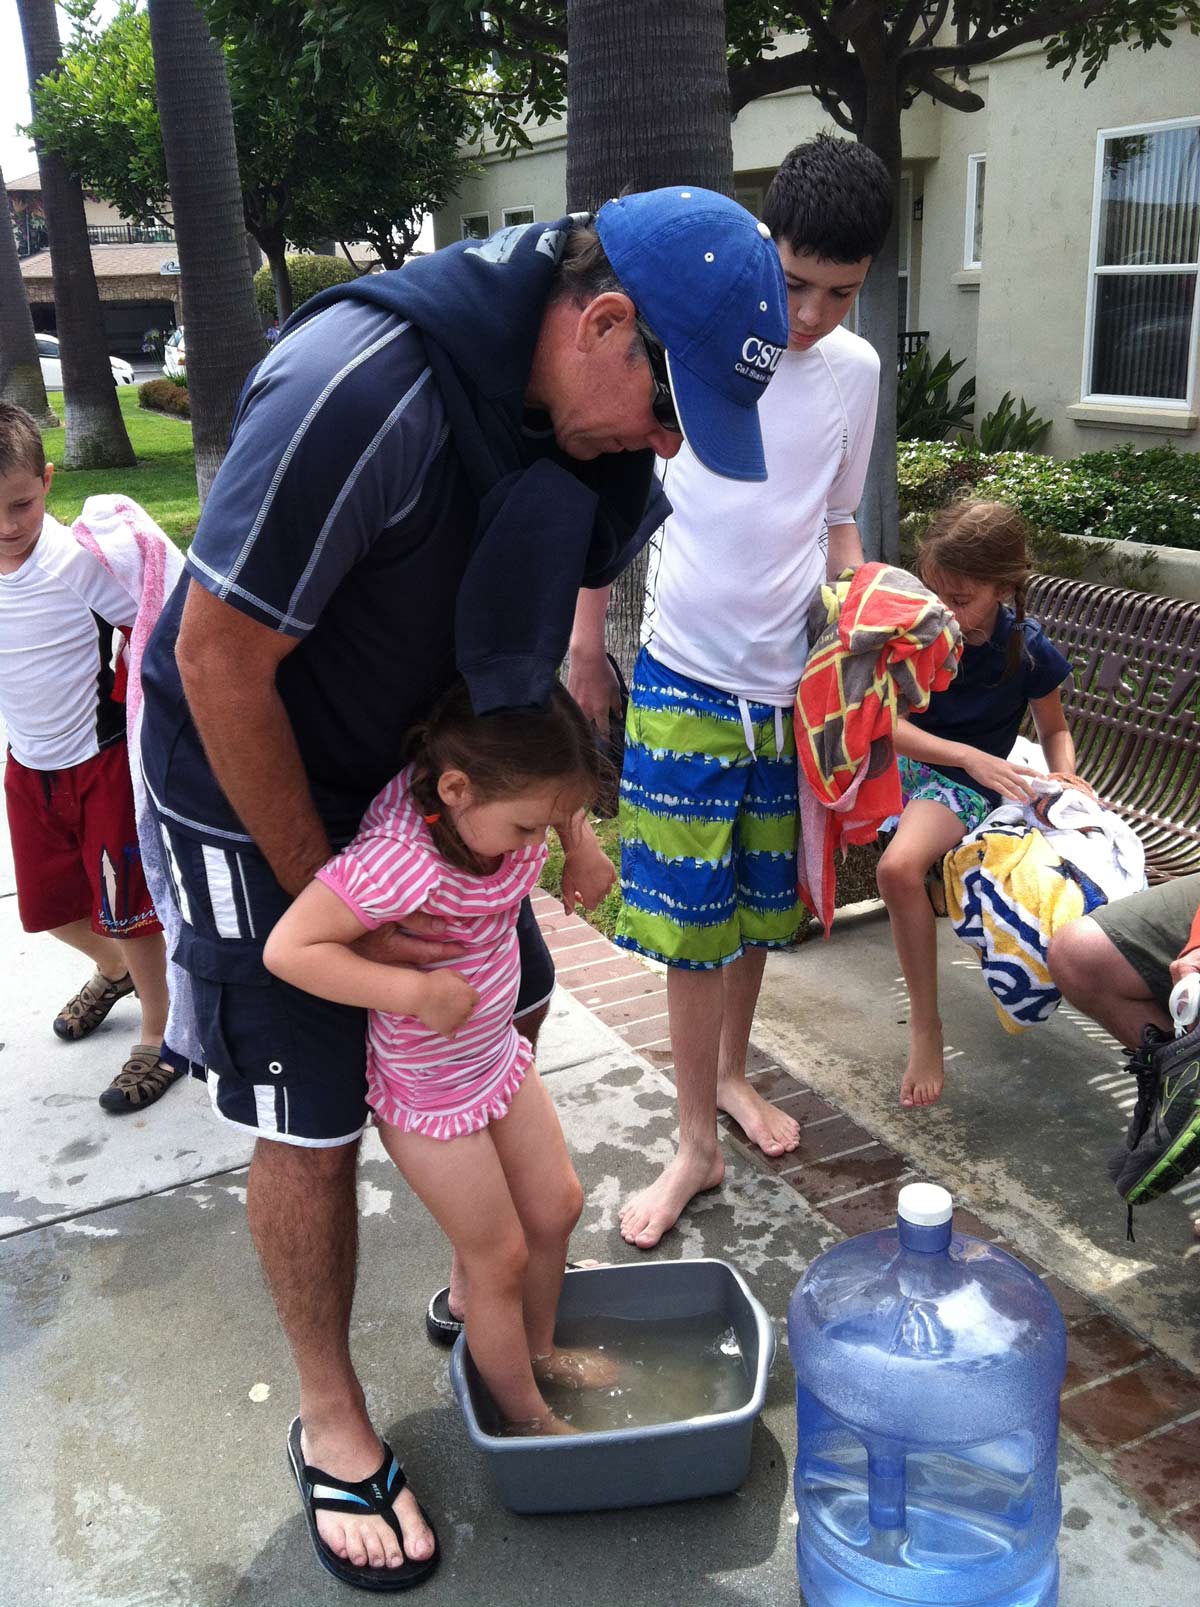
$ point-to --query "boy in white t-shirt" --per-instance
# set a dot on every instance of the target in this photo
(709, 803)
(67, 786)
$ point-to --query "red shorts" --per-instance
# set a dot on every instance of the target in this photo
(75, 846)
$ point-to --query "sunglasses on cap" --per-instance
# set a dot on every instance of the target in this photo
(662, 404)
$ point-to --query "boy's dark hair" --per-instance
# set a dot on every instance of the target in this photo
(501, 754)
(831, 197)
(20, 442)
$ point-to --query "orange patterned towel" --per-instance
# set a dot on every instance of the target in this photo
(882, 643)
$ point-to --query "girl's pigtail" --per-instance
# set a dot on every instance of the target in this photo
(1016, 640)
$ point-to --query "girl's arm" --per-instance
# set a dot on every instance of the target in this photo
(1051, 723)
(998, 775)
(310, 947)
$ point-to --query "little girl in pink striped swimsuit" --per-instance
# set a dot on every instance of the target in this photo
(461, 834)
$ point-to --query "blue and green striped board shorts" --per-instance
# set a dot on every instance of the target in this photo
(708, 820)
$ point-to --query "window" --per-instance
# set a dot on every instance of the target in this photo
(751, 197)
(514, 215)
(973, 244)
(476, 225)
(1142, 318)
(904, 246)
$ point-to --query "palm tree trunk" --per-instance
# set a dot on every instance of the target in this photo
(224, 331)
(96, 434)
(20, 371)
(647, 97)
(648, 105)
(879, 322)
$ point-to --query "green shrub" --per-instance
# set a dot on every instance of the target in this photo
(308, 274)
(1151, 497)
(165, 396)
(1003, 430)
(924, 411)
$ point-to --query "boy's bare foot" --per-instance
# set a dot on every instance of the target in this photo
(548, 1423)
(774, 1131)
(925, 1074)
(367, 1541)
(574, 1367)
(656, 1209)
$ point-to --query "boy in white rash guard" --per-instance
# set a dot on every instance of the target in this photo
(709, 804)
(68, 792)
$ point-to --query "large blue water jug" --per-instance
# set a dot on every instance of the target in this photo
(928, 1368)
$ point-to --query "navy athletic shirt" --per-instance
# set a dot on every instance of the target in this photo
(386, 500)
(980, 707)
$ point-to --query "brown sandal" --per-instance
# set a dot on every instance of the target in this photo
(85, 1012)
(143, 1078)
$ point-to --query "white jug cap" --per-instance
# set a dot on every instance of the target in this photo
(925, 1205)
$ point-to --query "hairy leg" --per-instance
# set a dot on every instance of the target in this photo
(926, 831)
(528, 1025)
(695, 1000)
(775, 1132)
(1092, 974)
(300, 1204)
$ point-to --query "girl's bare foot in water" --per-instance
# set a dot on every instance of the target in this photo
(573, 1367)
(925, 1074)
(530, 1427)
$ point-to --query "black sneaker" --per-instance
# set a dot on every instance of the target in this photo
(1141, 1063)
(1169, 1148)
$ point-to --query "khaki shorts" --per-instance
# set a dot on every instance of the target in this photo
(1149, 929)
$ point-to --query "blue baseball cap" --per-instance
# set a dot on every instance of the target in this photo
(707, 280)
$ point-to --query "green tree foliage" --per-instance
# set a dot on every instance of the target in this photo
(354, 155)
(308, 274)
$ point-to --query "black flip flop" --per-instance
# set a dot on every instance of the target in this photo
(442, 1326)
(375, 1495)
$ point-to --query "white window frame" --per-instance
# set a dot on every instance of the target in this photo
(977, 159)
(509, 223)
(1107, 398)
(469, 217)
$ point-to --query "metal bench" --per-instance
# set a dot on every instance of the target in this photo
(1134, 710)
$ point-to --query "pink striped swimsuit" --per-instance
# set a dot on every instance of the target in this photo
(417, 1080)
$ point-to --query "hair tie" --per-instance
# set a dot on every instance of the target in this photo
(432, 820)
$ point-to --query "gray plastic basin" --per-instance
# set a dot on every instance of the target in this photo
(638, 1466)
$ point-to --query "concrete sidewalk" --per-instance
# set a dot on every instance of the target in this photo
(147, 1389)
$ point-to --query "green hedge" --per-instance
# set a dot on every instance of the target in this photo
(165, 396)
(308, 275)
(1151, 497)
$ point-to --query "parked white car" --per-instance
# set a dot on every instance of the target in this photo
(175, 355)
(48, 356)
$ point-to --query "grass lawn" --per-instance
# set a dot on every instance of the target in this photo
(164, 481)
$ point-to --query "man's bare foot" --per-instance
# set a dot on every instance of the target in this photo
(774, 1131)
(574, 1367)
(925, 1074)
(366, 1541)
(656, 1209)
(548, 1423)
